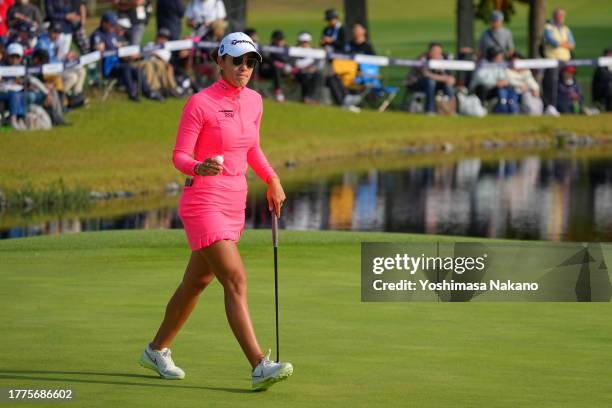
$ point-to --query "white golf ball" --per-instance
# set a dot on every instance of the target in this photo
(219, 159)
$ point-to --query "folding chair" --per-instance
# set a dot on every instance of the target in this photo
(369, 78)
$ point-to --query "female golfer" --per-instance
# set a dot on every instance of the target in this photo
(220, 127)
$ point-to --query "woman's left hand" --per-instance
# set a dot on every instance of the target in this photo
(276, 196)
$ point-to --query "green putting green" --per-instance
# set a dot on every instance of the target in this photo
(78, 309)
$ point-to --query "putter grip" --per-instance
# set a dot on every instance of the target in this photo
(274, 229)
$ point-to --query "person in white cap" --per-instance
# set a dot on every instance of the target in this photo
(308, 75)
(218, 136)
(11, 90)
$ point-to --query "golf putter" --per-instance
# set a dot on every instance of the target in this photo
(275, 242)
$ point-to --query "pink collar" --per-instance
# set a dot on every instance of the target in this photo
(226, 89)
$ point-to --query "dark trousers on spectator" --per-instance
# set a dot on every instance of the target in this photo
(80, 38)
(430, 88)
(130, 77)
(269, 71)
(309, 82)
(549, 85)
(336, 88)
(507, 98)
(507, 101)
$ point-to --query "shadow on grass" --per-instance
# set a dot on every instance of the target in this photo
(9, 374)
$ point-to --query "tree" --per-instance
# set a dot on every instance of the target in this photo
(537, 20)
(236, 14)
(355, 11)
(465, 25)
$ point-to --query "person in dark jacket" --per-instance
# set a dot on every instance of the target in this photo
(569, 93)
(23, 11)
(275, 66)
(602, 84)
(359, 43)
(137, 12)
(72, 14)
(333, 37)
(430, 81)
(169, 15)
(104, 38)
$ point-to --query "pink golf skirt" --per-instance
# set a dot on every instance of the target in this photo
(211, 214)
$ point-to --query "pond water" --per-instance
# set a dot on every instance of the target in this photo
(558, 199)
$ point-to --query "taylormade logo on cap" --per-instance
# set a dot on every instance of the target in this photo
(237, 44)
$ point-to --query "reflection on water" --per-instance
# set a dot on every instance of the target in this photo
(529, 198)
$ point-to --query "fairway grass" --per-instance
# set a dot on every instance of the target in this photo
(78, 309)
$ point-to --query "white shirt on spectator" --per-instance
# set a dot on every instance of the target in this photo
(62, 46)
(206, 11)
(488, 75)
(519, 78)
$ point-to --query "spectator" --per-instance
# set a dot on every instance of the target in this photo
(202, 13)
(558, 38)
(216, 31)
(44, 89)
(307, 70)
(103, 39)
(11, 89)
(25, 35)
(496, 36)
(122, 29)
(251, 32)
(24, 12)
(157, 69)
(275, 66)
(602, 84)
(431, 81)
(491, 81)
(57, 46)
(5, 5)
(333, 38)
(558, 44)
(359, 43)
(137, 12)
(526, 87)
(169, 14)
(72, 14)
(569, 98)
(205, 70)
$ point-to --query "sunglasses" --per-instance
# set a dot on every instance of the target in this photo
(250, 62)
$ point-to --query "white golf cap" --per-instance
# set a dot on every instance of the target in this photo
(304, 37)
(237, 44)
(125, 23)
(15, 48)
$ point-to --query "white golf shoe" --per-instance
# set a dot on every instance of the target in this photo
(269, 372)
(161, 362)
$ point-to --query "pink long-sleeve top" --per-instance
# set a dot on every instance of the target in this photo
(222, 120)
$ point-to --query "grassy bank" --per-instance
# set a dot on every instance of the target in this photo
(69, 298)
(119, 145)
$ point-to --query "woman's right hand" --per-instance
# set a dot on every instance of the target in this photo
(209, 167)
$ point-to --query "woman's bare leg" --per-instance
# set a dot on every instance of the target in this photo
(198, 276)
(225, 261)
